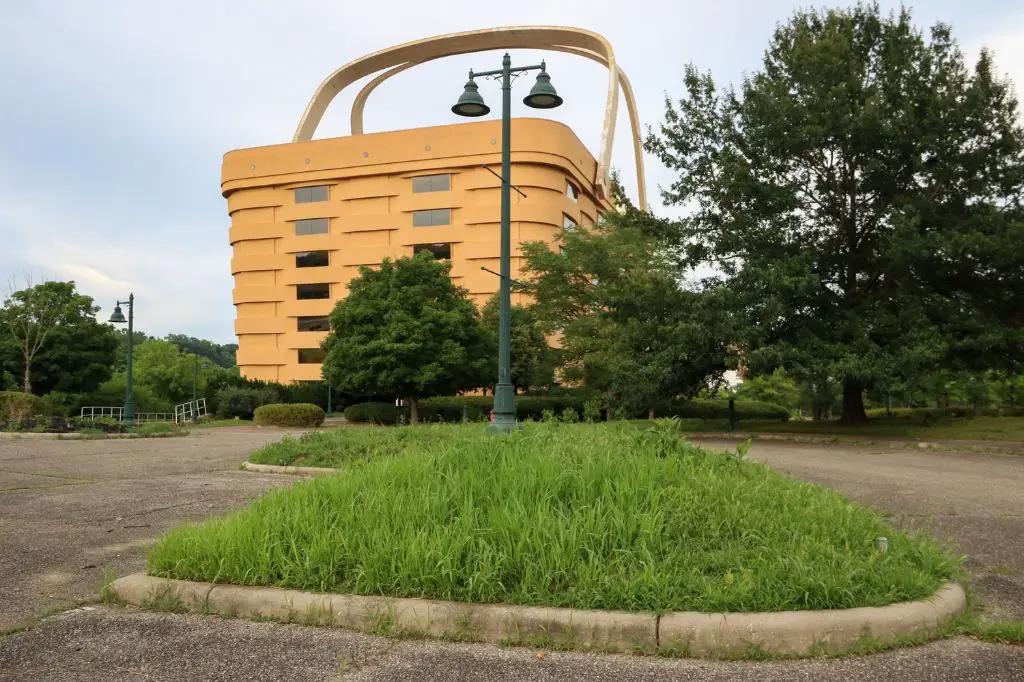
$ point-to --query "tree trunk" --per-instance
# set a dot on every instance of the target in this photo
(414, 410)
(853, 402)
(28, 377)
(650, 413)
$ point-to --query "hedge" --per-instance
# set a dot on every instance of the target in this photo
(719, 409)
(241, 403)
(15, 406)
(374, 413)
(290, 414)
(934, 413)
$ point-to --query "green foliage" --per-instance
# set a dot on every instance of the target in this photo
(776, 388)
(860, 195)
(405, 330)
(166, 371)
(581, 516)
(16, 406)
(627, 326)
(51, 331)
(295, 414)
(220, 354)
(569, 416)
(111, 393)
(238, 402)
(592, 410)
(373, 413)
(719, 409)
(533, 361)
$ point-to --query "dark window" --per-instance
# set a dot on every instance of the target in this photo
(431, 183)
(309, 195)
(439, 251)
(312, 259)
(304, 292)
(311, 356)
(568, 223)
(316, 323)
(432, 217)
(572, 191)
(312, 226)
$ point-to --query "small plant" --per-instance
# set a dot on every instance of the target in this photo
(570, 416)
(548, 416)
(739, 456)
(164, 599)
(108, 595)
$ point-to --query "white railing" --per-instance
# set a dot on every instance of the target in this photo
(192, 411)
(94, 412)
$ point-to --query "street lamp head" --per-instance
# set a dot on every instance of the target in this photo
(542, 94)
(117, 317)
(470, 102)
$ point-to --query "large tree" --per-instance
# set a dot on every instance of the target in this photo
(626, 323)
(222, 354)
(405, 330)
(52, 336)
(861, 193)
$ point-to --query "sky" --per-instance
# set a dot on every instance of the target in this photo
(115, 115)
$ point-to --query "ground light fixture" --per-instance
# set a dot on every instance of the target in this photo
(471, 103)
(117, 317)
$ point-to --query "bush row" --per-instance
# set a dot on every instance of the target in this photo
(16, 406)
(477, 408)
(293, 414)
(937, 413)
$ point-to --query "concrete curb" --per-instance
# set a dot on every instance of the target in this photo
(293, 471)
(74, 435)
(790, 633)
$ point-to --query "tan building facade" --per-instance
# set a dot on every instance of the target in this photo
(306, 216)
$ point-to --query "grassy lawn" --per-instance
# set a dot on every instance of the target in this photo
(590, 516)
(976, 428)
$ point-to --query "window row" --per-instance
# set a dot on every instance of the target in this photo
(311, 356)
(311, 195)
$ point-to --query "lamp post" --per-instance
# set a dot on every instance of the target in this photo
(117, 317)
(471, 103)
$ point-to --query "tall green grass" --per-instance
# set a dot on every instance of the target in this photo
(588, 516)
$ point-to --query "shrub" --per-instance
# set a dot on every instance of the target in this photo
(528, 407)
(237, 402)
(373, 413)
(592, 410)
(924, 414)
(16, 406)
(292, 414)
(570, 416)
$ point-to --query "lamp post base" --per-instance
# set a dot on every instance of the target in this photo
(504, 410)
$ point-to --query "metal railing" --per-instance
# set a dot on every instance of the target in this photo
(191, 411)
(94, 412)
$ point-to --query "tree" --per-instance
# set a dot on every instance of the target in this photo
(627, 325)
(861, 195)
(532, 359)
(775, 388)
(222, 354)
(404, 330)
(165, 370)
(41, 319)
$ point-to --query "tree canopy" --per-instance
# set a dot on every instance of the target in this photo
(221, 354)
(627, 325)
(533, 362)
(49, 337)
(861, 195)
(405, 330)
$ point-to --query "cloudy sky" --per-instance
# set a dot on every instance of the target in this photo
(114, 114)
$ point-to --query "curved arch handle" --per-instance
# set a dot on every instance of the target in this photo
(560, 39)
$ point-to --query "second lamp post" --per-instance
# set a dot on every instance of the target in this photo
(542, 96)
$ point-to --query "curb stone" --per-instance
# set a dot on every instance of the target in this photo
(699, 634)
(292, 470)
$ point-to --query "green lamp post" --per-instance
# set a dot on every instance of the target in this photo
(117, 317)
(471, 103)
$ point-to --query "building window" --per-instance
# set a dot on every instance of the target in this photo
(431, 183)
(439, 251)
(306, 292)
(311, 356)
(568, 223)
(313, 259)
(310, 195)
(432, 217)
(312, 226)
(572, 191)
(315, 323)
